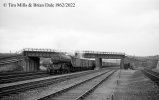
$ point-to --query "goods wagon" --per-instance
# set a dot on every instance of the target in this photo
(79, 64)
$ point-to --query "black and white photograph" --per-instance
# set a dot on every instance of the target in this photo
(79, 49)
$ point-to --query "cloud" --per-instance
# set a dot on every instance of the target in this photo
(125, 26)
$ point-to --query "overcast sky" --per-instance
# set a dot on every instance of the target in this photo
(130, 26)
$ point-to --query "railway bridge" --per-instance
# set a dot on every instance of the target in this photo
(30, 57)
(104, 55)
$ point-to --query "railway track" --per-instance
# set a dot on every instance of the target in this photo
(154, 76)
(7, 89)
(10, 57)
(78, 90)
(9, 61)
(17, 76)
(20, 76)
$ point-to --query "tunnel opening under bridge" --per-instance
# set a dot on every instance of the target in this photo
(110, 63)
(104, 63)
(33, 64)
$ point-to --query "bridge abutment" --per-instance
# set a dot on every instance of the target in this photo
(122, 63)
(31, 64)
(98, 63)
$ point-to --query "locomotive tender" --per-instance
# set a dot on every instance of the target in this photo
(62, 63)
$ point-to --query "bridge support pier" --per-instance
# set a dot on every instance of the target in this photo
(122, 63)
(31, 64)
(98, 63)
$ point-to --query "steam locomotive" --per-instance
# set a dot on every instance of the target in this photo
(62, 63)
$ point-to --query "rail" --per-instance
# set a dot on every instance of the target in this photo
(14, 77)
(96, 80)
(10, 61)
(154, 76)
(7, 89)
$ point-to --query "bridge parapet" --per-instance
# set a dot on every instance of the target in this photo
(100, 52)
(107, 55)
(41, 50)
